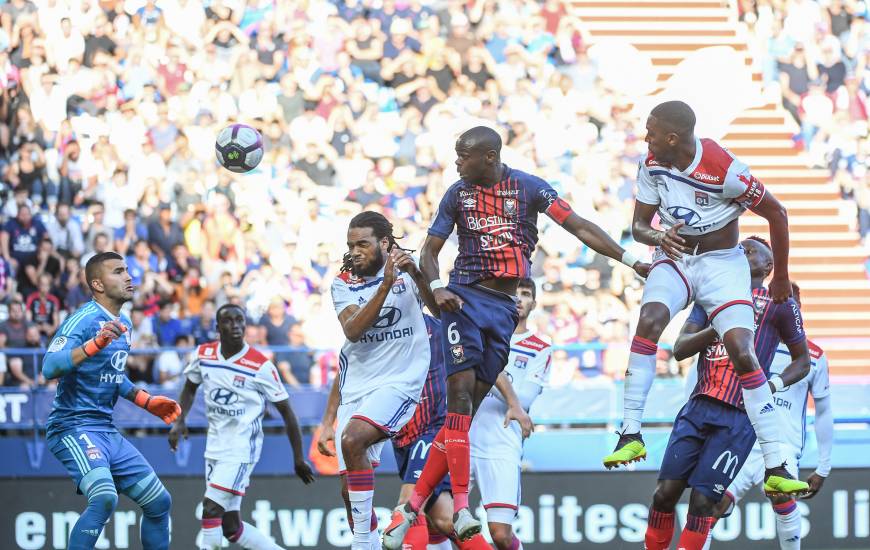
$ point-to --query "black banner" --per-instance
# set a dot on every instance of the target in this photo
(576, 510)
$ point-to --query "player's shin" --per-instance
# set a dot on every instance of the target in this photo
(694, 534)
(458, 457)
(361, 490)
(758, 401)
(417, 537)
(433, 472)
(251, 538)
(788, 525)
(659, 530)
(102, 499)
(638, 381)
(212, 535)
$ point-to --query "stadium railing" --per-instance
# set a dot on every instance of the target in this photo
(592, 402)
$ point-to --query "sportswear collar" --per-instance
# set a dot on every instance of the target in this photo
(699, 152)
(240, 354)
(522, 336)
(106, 311)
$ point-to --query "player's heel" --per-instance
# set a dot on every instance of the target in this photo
(630, 448)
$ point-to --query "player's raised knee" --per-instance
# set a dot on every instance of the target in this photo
(161, 504)
(105, 502)
(502, 535)
(654, 317)
(665, 499)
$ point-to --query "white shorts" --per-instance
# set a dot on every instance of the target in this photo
(500, 492)
(718, 281)
(225, 482)
(752, 472)
(386, 408)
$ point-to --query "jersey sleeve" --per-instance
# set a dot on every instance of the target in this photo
(741, 186)
(540, 375)
(790, 323)
(820, 385)
(269, 382)
(66, 338)
(341, 295)
(445, 216)
(193, 372)
(647, 190)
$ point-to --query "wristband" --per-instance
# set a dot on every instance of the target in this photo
(436, 284)
(142, 398)
(90, 348)
(777, 382)
(629, 259)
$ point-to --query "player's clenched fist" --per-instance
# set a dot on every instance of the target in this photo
(402, 260)
(161, 407)
(671, 243)
(780, 289)
(179, 430)
(446, 300)
(107, 333)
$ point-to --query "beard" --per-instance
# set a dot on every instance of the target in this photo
(371, 268)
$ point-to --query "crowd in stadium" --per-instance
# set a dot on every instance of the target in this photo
(818, 52)
(109, 111)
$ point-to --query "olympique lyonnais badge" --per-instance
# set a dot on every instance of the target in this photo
(458, 354)
(238, 381)
(399, 286)
(94, 454)
(521, 362)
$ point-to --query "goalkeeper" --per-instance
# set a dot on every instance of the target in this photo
(88, 356)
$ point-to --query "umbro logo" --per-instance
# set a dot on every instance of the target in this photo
(766, 409)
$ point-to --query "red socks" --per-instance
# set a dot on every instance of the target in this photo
(477, 542)
(417, 537)
(458, 457)
(659, 530)
(433, 472)
(694, 535)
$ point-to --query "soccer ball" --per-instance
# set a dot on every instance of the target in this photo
(239, 148)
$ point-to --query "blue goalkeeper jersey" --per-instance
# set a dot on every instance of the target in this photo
(86, 395)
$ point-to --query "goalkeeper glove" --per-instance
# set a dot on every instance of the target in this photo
(107, 333)
(161, 407)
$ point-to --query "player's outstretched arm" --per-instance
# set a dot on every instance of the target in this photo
(694, 337)
(69, 354)
(594, 237)
(185, 401)
(291, 426)
(444, 299)
(777, 218)
(327, 422)
(799, 367)
(355, 320)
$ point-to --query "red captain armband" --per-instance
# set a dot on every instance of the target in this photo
(559, 210)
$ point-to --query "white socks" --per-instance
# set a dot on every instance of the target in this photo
(638, 381)
(251, 538)
(788, 525)
(762, 414)
(361, 491)
(212, 534)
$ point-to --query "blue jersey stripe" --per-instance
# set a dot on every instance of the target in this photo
(76, 318)
(204, 364)
(524, 352)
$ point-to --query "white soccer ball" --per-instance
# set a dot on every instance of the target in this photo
(239, 148)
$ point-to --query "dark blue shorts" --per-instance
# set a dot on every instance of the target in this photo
(709, 443)
(411, 458)
(86, 454)
(479, 335)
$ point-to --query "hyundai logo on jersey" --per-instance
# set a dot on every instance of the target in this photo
(687, 215)
(389, 317)
(224, 397)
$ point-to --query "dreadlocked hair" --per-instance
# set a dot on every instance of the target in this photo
(381, 229)
(760, 240)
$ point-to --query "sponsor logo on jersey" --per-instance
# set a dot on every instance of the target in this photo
(687, 215)
(119, 360)
(57, 344)
(238, 381)
(458, 354)
(223, 396)
(248, 363)
(399, 286)
(702, 198)
(510, 207)
(463, 194)
(767, 408)
(780, 402)
(479, 224)
(94, 454)
(507, 192)
(386, 335)
(706, 177)
(389, 317)
(719, 488)
(521, 362)
(716, 351)
(729, 462)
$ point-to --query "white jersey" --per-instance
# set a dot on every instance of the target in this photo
(528, 369)
(394, 351)
(236, 390)
(792, 401)
(715, 189)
